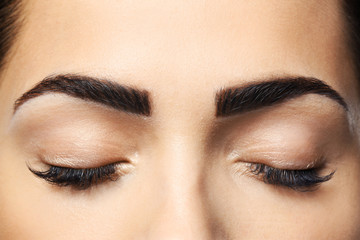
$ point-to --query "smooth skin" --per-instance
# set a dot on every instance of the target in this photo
(183, 181)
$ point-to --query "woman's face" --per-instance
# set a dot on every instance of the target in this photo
(208, 101)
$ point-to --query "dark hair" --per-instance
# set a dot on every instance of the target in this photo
(352, 13)
(10, 23)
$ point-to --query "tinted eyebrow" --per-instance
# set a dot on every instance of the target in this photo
(87, 88)
(236, 100)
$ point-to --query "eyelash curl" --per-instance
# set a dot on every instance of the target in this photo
(300, 180)
(80, 179)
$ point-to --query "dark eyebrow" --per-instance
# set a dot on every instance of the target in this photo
(87, 88)
(237, 100)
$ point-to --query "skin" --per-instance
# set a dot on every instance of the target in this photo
(183, 180)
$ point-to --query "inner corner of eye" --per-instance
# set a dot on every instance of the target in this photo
(124, 166)
(36, 164)
(121, 162)
(244, 167)
(246, 162)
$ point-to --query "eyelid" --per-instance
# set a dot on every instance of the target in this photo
(302, 180)
(279, 160)
(85, 159)
(82, 178)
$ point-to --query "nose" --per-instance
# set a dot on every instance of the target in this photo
(180, 220)
(183, 213)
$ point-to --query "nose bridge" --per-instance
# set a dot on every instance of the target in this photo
(181, 218)
(184, 214)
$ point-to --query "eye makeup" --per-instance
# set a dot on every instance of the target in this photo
(297, 165)
(76, 144)
(302, 180)
(61, 131)
(293, 147)
(83, 178)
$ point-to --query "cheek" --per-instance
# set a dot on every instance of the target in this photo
(18, 200)
(32, 209)
(245, 209)
(248, 209)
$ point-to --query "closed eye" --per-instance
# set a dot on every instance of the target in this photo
(81, 178)
(299, 180)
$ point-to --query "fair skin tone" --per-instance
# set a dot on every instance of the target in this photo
(186, 175)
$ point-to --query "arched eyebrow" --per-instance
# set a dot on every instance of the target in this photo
(236, 100)
(112, 94)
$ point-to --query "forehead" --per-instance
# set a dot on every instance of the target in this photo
(180, 41)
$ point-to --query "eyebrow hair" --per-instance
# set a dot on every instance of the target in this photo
(87, 88)
(236, 100)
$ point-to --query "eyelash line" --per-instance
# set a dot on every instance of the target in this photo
(299, 180)
(80, 179)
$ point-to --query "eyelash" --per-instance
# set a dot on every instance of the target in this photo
(299, 180)
(80, 179)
